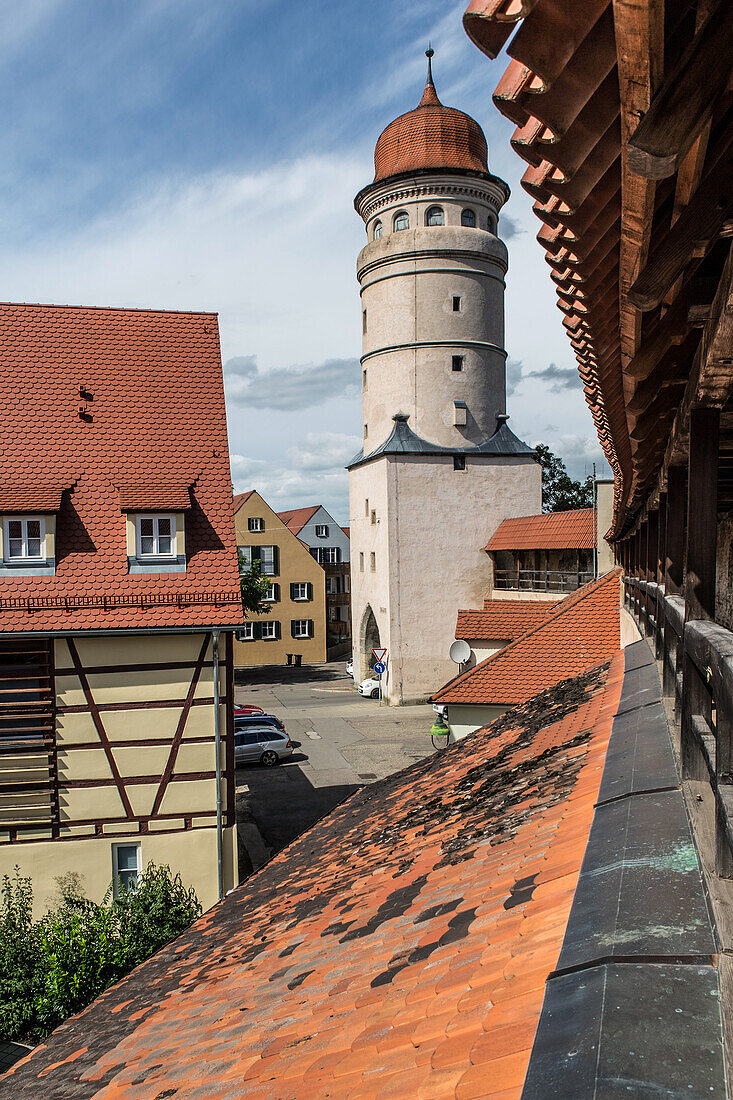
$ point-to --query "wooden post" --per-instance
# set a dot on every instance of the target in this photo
(702, 521)
(659, 578)
(652, 549)
(673, 565)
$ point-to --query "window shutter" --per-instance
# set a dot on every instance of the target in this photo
(309, 591)
(310, 628)
(276, 590)
(292, 628)
(256, 555)
(257, 631)
(276, 560)
(277, 629)
(292, 590)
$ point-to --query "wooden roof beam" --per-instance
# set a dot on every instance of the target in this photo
(716, 357)
(685, 99)
(640, 43)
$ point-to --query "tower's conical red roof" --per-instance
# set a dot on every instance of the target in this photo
(430, 136)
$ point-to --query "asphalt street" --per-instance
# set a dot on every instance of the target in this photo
(343, 741)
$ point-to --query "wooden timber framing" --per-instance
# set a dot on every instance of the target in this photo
(178, 735)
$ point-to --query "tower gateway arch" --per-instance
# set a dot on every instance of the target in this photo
(439, 468)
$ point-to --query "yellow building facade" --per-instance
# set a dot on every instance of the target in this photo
(296, 623)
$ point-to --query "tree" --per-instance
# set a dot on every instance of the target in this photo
(254, 586)
(559, 492)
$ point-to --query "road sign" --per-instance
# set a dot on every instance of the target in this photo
(379, 668)
(379, 655)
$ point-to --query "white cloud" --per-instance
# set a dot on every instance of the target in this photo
(289, 388)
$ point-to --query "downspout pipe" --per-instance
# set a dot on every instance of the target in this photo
(217, 743)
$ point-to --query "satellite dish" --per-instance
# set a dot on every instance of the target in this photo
(459, 651)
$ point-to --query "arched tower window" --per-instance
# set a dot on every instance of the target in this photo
(377, 230)
(468, 218)
(491, 224)
(401, 220)
(435, 216)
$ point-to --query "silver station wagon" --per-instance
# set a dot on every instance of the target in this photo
(261, 744)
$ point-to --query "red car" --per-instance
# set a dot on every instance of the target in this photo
(243, 709)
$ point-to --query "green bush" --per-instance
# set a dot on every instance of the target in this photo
(54, 967)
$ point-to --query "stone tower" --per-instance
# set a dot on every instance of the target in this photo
(439, 468)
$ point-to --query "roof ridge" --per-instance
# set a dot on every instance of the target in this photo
(112, 309)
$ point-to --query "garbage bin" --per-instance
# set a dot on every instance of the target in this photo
(297, 659)
(290, 658)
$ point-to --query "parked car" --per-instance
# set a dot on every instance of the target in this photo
(242, 709)
(370, 688)
(261, 743)
(243, 721)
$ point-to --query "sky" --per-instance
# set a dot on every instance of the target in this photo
(204, 156)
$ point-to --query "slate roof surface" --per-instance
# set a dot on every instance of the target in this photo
(398, 949)
(578, 633)
(430, 136)
(296, 519)
(549, 531)
(97, 399)
(502, 619)
(402, 440)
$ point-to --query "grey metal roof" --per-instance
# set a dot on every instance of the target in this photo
(402, 440)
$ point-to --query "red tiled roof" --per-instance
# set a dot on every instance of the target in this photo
(154, 498)
(398, 950)
(549, 531)
(240, 498)
(430, 136)
(95, 398)
(580, 632)
(347, 531)
(296, 519)
(502, 619)
(30, 498)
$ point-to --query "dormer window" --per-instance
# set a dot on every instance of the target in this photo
(156, 536)
(24, 538)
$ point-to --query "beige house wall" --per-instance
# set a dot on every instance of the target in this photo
(432, 523)
(139, 685)
(463, 719)
(296, 564)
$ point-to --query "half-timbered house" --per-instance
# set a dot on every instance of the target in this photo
(118, 594)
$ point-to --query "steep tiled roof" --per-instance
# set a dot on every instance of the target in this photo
(296, 519)
(502, 619)
(96, 399)
(430, 136)
(240, 498)
(578, 633)
(347, 531)
(398, 950)
(549, 531)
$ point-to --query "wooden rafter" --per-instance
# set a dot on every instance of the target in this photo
(640, 43)
(685, 100)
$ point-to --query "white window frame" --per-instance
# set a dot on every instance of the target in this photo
(246, 632)
(255, 524)
(401, 215)
(270, 596)
(246, 564)
(303, 623)
(24, 556)
(269, 635)
(156, 518)
(321, 530)
(271, 572)
(115, 864)
(298, 588)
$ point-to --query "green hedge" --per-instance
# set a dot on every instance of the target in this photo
(53, 967)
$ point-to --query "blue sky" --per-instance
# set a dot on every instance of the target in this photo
(175, 154)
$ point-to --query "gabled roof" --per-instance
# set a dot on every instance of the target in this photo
(399, 949)
(578, 633)
(98, 400)
(402, 440)
(549, 531)
(502, 619)
(241, 498)
(296, 519)
(347, 531)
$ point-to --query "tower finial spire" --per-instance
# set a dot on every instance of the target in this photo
(430, 54)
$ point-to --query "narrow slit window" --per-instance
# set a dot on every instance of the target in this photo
(457, 362)
(361, 562)
(373, 562)
(363, 320)
(456, 303)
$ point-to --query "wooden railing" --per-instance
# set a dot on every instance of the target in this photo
(697, 671)
(541, 580)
